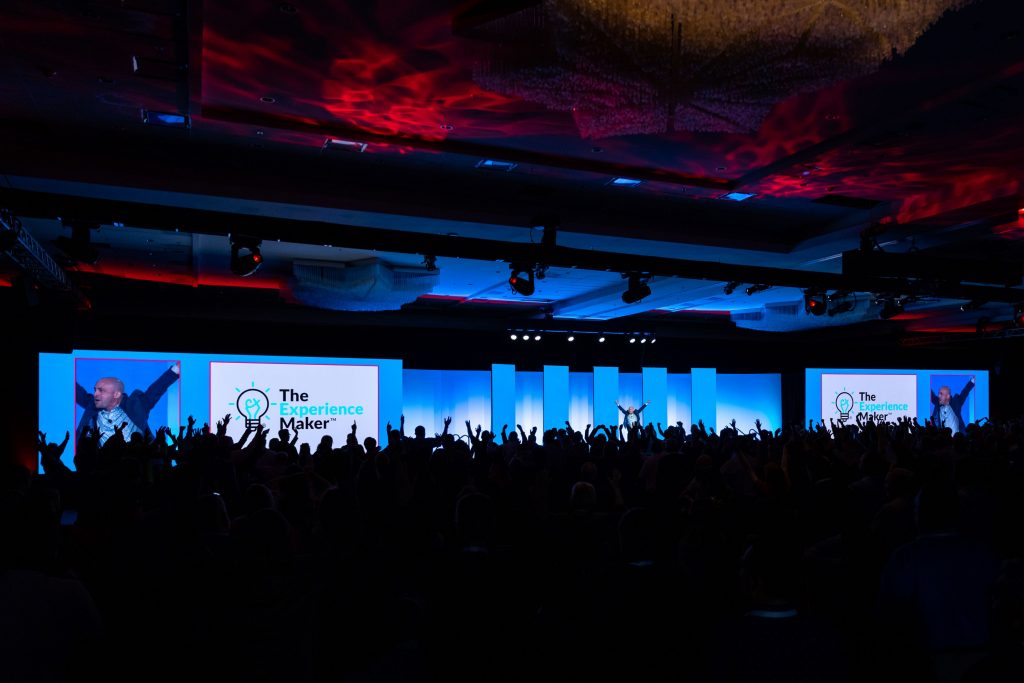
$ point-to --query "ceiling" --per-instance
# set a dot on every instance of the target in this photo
(827, 119)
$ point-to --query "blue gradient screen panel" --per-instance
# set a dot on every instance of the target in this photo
(315, 397)
(749, 398)
(887, 395)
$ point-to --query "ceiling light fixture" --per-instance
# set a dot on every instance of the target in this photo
(521, 280)
(166, 119)
(754, 289)
(737, 196)
(625, 182)
(246, 257)
(815, 303)
(637, 289)
(337, 145)
(496, 165)
(731, 287)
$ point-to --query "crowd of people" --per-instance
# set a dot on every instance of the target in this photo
(839, 552)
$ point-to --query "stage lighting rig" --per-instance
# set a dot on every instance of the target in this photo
(731, 287)
(637, 289)
(246, 257)
(754, 289)
(815, 303)
(521, 279)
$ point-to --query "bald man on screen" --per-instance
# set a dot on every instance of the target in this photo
(108, 407)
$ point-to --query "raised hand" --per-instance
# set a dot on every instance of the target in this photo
(447, 421)
(733, 424)
(757, 423)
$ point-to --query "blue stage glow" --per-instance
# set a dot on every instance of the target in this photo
(490, 398)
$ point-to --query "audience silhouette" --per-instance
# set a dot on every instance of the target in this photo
(863, 551)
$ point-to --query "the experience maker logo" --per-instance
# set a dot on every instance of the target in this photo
(295, 409)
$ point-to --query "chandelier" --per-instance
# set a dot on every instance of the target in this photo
(628, 67)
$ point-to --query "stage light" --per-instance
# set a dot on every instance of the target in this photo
(644, 340)
(430, 263)
(754, 289)
(638, 289)
(1018, 315)
(536, 338)
(890, 309)
(526, 337)
(572, 338)
(632, 340)
(513, 337)
(654, 339)
(731, 287)
(815, 303)
(971, 305)
(246, 258)
(521, 280)
(541, 272)
(600, 340)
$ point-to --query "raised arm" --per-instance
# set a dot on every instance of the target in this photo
(621, 409)
(63, 444)
(962, 396)
(641, 408)
(161, 384)
(82, 397)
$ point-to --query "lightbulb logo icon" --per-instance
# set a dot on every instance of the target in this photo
(252, 404)
(844, 402)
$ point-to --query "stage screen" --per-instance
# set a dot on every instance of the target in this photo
(312, 396)
(749, 398)
(952, 398)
